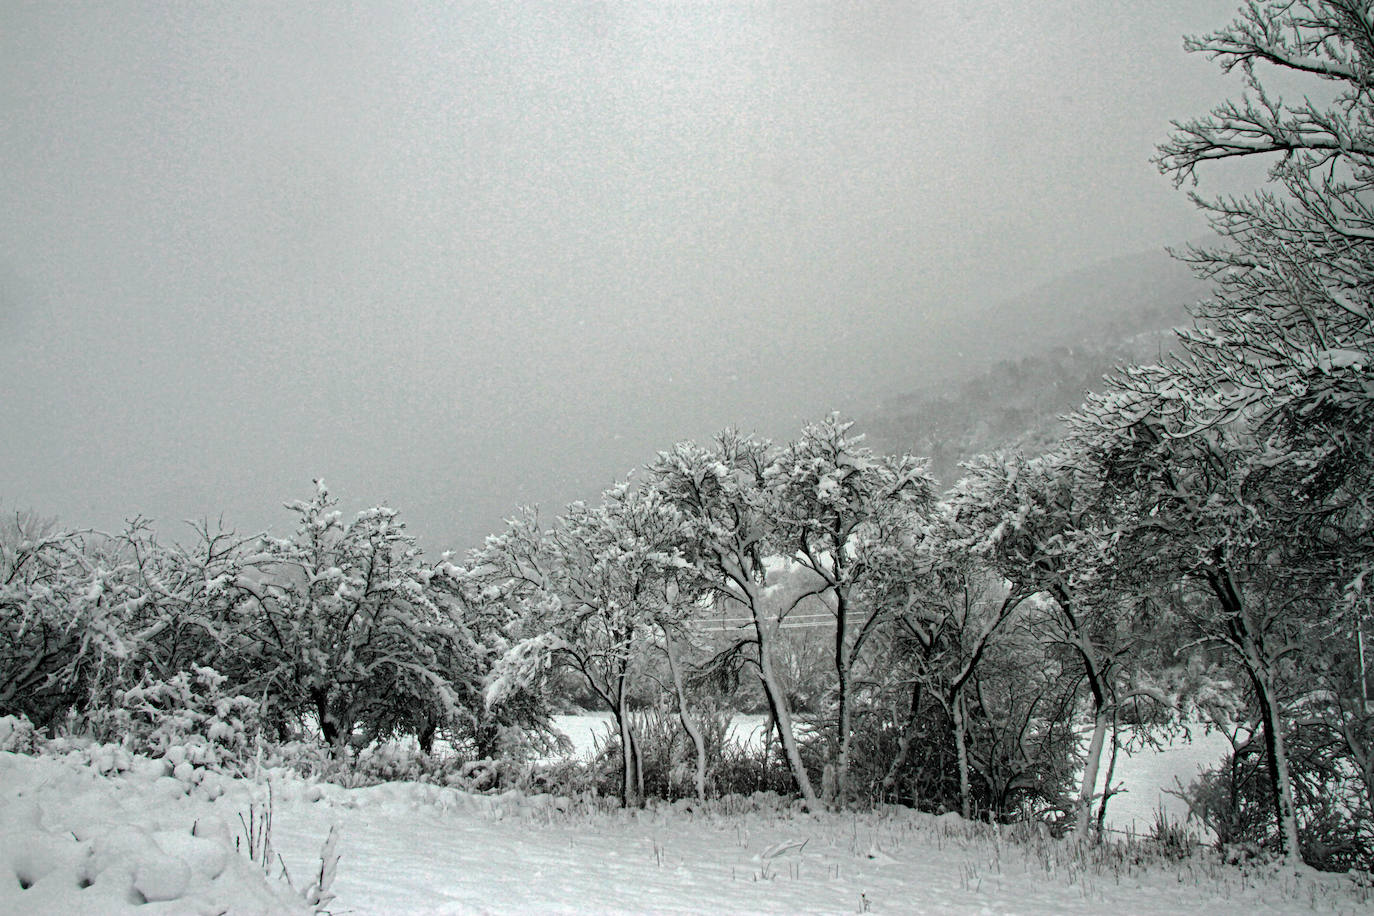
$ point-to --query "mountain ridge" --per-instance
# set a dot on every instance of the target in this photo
(1053, 344)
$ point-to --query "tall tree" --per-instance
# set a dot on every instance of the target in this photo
(593, 589)
(1252, 452)
(722, 494)
(1037, 522)
(1286, 344)
(945, 608)
(1196, 511)
(828, 493)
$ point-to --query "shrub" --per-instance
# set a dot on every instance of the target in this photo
(16, 735)
(188, 711)
(1172, 839)
(1232, 801)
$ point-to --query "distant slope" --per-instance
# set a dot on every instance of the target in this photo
(1033, 358)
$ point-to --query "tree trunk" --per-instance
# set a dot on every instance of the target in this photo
(842, 691)
(782, 713)
(777, 700)
(1107, 792)
(842, 668)
(426, 736)
(1098, 686)
(1280, 781)
(904, 742)
(961, 749)
(1090, 765)
(631, 773)
(1256, 661)
(329, 728)
(688, 723)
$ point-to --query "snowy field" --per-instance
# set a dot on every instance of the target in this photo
(74, 841)
(1145, 775)
(586, 729)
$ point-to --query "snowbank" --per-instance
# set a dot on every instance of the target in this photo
(75, 841)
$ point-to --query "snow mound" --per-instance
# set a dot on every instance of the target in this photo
(70, 842)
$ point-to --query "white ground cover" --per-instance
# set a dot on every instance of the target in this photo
(1145, 777)
(75, 841)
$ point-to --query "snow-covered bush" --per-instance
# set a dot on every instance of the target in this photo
(746, 770)
(597, 777)
(64, 598)
(404, 762)
(16, 734)
(1232, 800)
(185, 719)
(356, 631)
(306, 758)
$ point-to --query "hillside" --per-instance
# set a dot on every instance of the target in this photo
(1032, 359)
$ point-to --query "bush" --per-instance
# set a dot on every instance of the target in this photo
(1172, 839)
(16, 735)
(1233, 801)
(667, 751)
(188, 711)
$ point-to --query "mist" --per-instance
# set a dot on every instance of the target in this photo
(462, 257)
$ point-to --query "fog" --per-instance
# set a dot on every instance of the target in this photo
(459, 257)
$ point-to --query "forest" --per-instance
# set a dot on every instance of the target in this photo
(1191, 553)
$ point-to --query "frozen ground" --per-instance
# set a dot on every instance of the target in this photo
(406, 848)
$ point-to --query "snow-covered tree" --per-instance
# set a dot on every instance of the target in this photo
(722, 493)
(345, 617)
(65, 601)
(1043, 525)
(591, 591)
(953, 607)
(1192, 509)
(1017, 514)
(483, 729)
(828, 495)
(192, 613)
(1248, 457)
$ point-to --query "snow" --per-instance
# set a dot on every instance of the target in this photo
(138, 834)
(584, 730)
(75, 841)
(1147, 774)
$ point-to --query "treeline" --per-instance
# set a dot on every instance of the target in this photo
(342, 625)
(949, 652)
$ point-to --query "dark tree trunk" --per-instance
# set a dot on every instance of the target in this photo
(426, 737)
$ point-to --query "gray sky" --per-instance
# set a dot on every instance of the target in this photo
(456, 257)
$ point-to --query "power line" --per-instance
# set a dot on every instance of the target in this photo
(782, 626)
(741, 620)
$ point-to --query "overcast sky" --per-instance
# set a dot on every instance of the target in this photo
(457, 257)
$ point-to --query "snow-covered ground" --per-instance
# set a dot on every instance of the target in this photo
(74, 841)
(1145, 776)
(585, 729)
